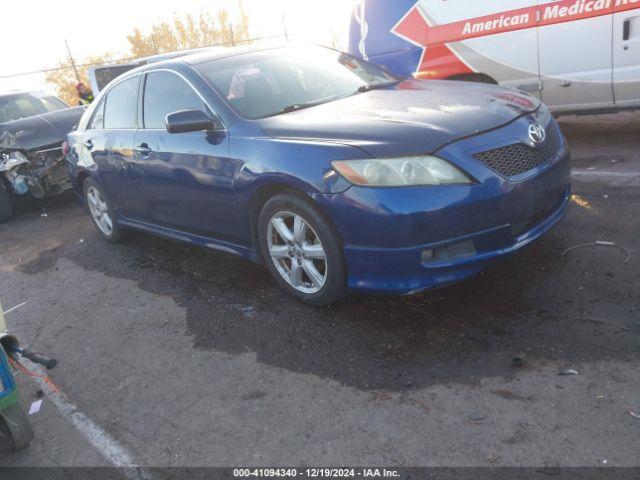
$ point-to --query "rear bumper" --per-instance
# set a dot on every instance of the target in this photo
(403, 271)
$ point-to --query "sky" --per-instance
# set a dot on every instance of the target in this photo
(93, 31)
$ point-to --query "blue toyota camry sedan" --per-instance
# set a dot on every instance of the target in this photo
(334, 173)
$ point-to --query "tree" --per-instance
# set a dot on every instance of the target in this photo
(190, 32)
(64, 78)
(181, 33)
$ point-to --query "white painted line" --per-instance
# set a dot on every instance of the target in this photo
(104, 443)
(605, 173)
(14, 308)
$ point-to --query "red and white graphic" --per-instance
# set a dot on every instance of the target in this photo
(440, 61)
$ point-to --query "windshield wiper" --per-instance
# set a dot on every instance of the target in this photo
(367, 87)
(300, 106)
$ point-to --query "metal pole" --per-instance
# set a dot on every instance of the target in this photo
(284, 27)
(153, 42)
(73, 63)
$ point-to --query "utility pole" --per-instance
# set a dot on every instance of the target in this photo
(284, 27)
(153, 42)
(73, 63)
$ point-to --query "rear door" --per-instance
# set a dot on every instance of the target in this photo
(92, 150)
(120, 125)
(184, 179)
(626, 54)
(575, 54)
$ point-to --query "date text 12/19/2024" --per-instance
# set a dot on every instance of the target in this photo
(315, 473)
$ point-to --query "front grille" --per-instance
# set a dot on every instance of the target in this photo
(518, 158)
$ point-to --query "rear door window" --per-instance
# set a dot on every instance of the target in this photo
(165, 93)
(121, 107)
(97, 122)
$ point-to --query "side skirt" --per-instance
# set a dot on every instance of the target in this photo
(198, 240)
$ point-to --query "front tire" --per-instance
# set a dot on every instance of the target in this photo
(6, 210)
(302, 250)
(99, 209)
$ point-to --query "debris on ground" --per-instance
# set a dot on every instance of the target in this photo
(600, 243)
(35, 407)
(568, 371)
(518, 359)
(477, 417)
(634, 414)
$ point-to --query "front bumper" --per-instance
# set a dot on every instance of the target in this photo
(386, 231)
(402, 270)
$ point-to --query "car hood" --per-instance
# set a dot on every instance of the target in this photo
(411, 117)
(40, 130)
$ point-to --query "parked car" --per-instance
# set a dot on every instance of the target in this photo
(33, 126)
(578, 56)
(335, 173)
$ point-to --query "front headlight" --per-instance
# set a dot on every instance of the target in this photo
(398, 172)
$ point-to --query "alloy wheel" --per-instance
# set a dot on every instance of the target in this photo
(297, 252)
(99, 211)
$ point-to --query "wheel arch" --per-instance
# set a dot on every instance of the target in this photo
(260, 196)
(263, 194)
(474, 77)
(80, 179)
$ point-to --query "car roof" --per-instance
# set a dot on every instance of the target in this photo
(205, 55)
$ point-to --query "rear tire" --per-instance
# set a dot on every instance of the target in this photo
(6, 209)
(99, 209)
(302, 250)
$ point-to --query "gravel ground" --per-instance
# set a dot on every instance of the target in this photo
(181, 356)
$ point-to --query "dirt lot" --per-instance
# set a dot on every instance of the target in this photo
(171, 355)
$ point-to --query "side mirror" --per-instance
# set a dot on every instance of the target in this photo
(191, 121)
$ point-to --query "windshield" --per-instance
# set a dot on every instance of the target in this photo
(267, 83)
(23, 105)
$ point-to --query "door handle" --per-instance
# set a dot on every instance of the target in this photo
(143, 149)
(626, 30)
(88, 144)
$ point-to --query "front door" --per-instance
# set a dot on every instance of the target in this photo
(575, 54)
(184, 180)
(626, 53)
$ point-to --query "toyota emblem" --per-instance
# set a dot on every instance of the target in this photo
(537, 133)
